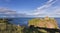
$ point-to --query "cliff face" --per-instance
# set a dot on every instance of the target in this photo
(6, 27)
(44, 22)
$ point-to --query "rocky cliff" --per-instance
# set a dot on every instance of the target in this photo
(6, 27)
(44, 22)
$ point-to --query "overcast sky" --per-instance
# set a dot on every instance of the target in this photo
(30, 8)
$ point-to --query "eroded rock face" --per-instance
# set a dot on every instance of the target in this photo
(6, 27)
(44, 22)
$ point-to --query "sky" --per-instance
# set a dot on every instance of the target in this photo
(29, 8)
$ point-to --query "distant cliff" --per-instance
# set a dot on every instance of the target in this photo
(6, 27)
(43, 22)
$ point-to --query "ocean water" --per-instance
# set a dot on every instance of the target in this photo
(24, 21)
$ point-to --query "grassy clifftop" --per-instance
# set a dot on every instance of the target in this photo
(6, 27)
(44, 22)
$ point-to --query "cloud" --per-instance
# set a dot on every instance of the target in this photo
(43, 8)
(51, 12)
(48, 4)
(47, 10)
(57, 11)
(5, 12)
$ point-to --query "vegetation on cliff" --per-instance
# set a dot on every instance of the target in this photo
(6, 27)
(43, 22)
(33, 26)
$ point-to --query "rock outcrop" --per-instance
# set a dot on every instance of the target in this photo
(44, 22)
(6, 27)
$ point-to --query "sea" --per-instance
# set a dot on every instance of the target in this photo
(24, 21)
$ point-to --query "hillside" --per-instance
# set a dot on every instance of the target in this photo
(6, 27)
(44, 22)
